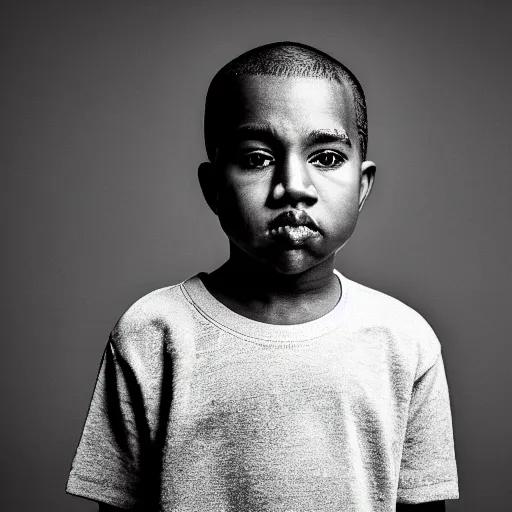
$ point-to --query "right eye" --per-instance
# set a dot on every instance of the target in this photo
(255, 160)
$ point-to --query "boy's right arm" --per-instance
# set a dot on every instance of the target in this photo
(109, 462)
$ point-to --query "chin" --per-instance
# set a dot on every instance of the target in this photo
(292, 263)
(278, 259)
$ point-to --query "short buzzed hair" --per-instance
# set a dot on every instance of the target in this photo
(286, 59)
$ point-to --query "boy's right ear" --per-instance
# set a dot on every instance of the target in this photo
(207, 180)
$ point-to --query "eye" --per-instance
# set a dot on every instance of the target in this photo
(255, 160)
(328, 159)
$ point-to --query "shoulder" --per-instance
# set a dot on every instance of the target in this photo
(153, 320)
(406, 329)
(386, 308)
(152, 306)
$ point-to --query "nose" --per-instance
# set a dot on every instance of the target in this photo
(293, 183)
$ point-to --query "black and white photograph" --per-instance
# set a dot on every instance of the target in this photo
(257, 256)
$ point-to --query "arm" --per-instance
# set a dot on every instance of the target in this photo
(431, 506)
(428, 471)
(107, 465)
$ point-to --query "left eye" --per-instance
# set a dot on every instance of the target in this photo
(328, 159)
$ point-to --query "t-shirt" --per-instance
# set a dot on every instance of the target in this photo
(199, 409)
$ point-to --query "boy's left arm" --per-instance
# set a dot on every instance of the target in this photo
(431, 506)
(428, 471)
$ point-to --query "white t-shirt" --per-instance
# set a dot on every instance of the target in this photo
(199, 409)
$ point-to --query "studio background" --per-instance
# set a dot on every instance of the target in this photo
(101, 136)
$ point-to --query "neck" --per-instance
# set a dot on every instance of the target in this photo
(259, 293)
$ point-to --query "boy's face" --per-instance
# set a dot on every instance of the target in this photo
(288, 184)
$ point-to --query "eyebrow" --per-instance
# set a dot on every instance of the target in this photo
(329, 136)
(262, 132)
(267, 133)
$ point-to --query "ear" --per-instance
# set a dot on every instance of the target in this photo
(368, 169)
(208, 182)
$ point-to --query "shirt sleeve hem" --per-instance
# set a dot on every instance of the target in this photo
(99, 492)
(448, 490)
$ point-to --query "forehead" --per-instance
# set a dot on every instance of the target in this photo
(294, 104)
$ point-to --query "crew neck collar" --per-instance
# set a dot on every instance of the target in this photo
(219, 314)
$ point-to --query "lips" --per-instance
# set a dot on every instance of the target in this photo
(293, 218)
(294, 227)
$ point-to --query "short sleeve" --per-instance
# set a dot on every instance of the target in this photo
(428, 469)
(107, 464)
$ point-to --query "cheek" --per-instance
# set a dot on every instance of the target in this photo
(342, 192)
(341, 202)
(228, 208)
(239, 209)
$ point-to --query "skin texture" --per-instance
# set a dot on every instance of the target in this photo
(276, 161)
(293, 146)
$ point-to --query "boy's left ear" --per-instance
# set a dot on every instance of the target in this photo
(206, 175)
(368, 169)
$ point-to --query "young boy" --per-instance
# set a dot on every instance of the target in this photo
(274, 383)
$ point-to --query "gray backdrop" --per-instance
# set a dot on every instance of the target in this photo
(100, 140)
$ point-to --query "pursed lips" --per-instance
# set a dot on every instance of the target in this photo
(293, 221)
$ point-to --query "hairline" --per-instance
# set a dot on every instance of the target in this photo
(334, 71)
(342, 82)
